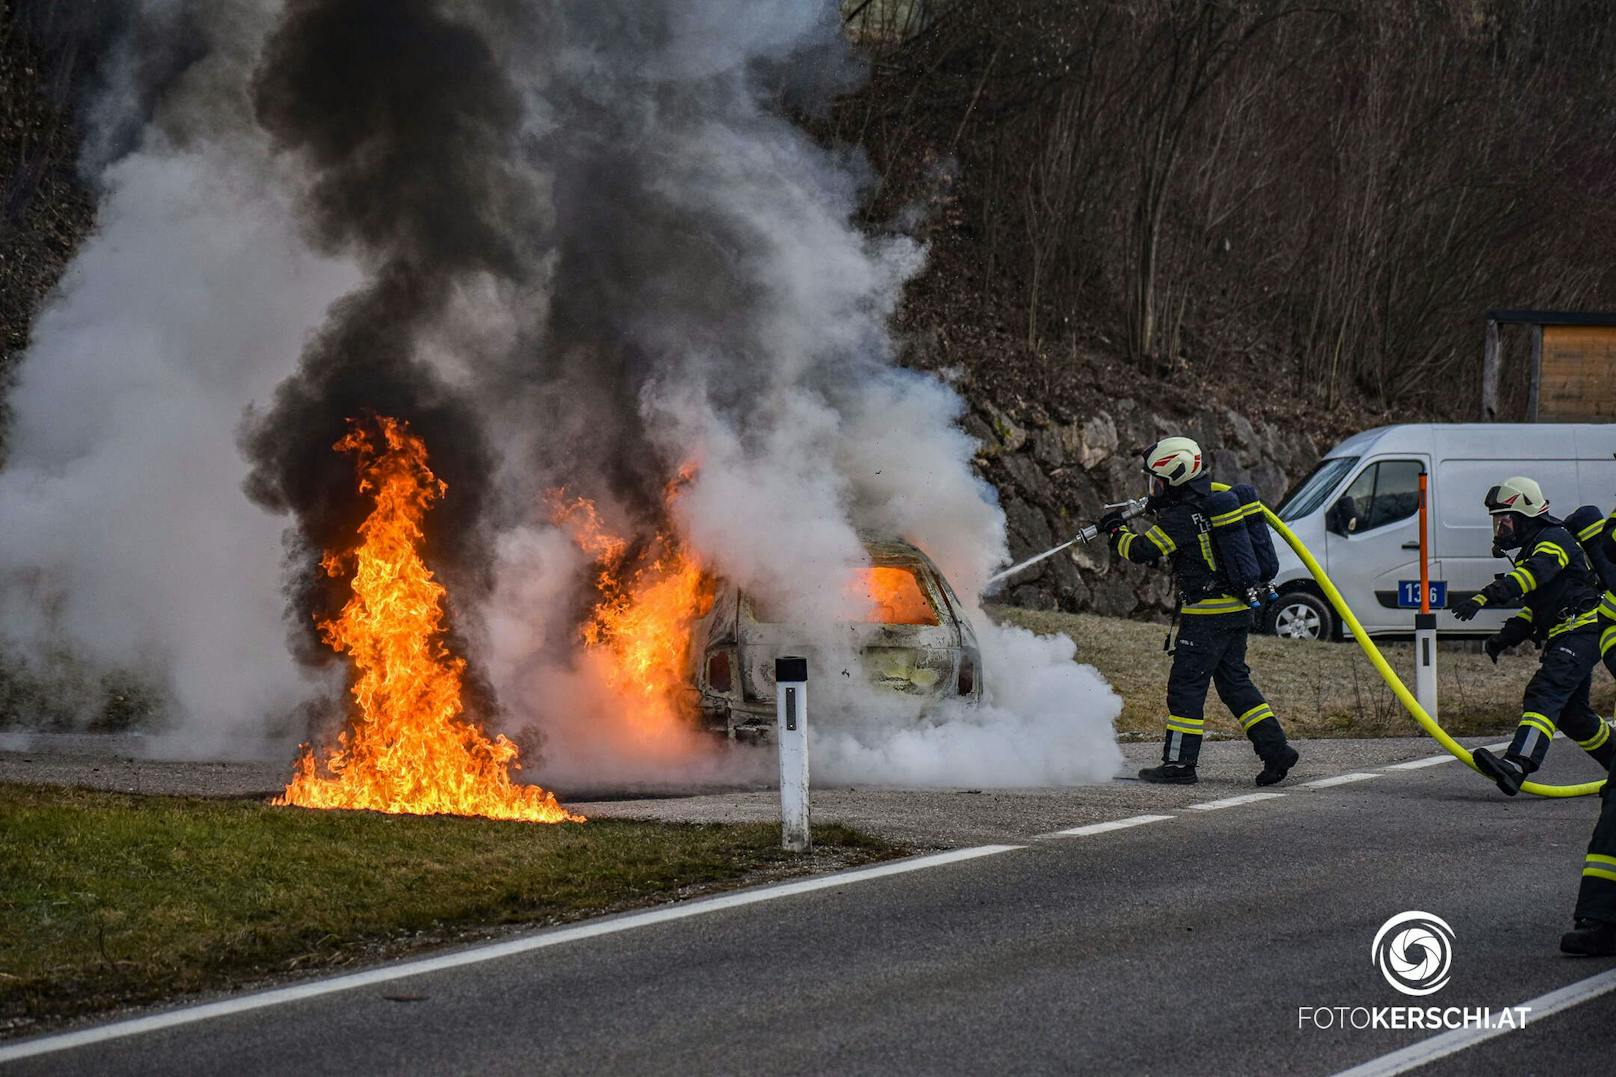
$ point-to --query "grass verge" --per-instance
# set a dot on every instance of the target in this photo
(1317, 689)
(108, 899)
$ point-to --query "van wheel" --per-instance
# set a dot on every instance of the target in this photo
(1300, 615)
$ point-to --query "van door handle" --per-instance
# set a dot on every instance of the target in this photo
(1411, 545)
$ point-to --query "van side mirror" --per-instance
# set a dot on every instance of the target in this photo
(1342, 517)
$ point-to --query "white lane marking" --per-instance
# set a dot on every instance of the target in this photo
(1231, 802)
(476, 955)
(1500, 746)
(1427, 1051)
(1339, 779)
(1115, 824)
(1416, 764)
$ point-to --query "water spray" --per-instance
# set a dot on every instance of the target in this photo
(1129, 509)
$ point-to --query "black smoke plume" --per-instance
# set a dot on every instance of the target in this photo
(406, 121)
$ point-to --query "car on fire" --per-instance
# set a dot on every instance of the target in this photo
(915, 640)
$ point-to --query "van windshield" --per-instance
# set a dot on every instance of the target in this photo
(1306, 496)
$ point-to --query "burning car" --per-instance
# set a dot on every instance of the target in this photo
(914, 639)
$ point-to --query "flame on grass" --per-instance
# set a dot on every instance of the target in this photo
(409, 747)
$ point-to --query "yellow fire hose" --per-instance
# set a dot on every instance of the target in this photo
(1394, 682)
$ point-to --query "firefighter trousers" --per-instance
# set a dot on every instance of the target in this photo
(1211, 649)
(1596, 897)
(1557, 696)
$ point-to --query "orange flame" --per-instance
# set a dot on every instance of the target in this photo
(890, 595)
(411, 749)
(640, 629)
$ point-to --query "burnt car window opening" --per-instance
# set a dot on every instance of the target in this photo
(879, 594)
(888, 594)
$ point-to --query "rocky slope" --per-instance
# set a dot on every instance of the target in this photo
(1054, 472)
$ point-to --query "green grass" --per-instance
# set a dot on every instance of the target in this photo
(1317, 689)
(108, 899)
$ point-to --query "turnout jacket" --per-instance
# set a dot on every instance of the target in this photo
(1182, 534)
(1607, 549)
(1554, 582)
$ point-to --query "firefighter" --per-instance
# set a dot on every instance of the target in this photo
(1596, 533)
(1593, 934)
(1211, 643)
(1560, 595)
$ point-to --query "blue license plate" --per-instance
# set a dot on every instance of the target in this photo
(1408, 594)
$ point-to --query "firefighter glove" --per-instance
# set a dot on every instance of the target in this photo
(1495, 645)
(1111, 523)
(1467, 610)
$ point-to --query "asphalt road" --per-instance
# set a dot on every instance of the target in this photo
(1183, 946)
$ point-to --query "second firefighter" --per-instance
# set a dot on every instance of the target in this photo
(1558, 594)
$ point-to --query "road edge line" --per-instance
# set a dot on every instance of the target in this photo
(1424, 1052)
(556, 936)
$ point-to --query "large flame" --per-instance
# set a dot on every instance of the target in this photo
(639, 630)
(410, 748)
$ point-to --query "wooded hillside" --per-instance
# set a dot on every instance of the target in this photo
(1306, 201)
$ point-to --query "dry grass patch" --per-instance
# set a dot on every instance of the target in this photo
(1317, 689)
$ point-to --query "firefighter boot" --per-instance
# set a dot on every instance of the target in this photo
(1507, 773)
(1590, 938)
(1604, 754)
(1170, 774)
(1268, 741)
(1276, 766)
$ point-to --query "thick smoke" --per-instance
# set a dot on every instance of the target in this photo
(408, 125)
(595, 252)
(713, 304)
(127, 545)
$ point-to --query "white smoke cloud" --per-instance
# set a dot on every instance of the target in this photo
(786, 400)
(127, 540)
(1044, 720)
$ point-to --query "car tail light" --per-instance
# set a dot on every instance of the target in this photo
(967, 675)
(718, 674)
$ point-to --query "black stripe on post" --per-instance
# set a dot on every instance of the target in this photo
(790, 669)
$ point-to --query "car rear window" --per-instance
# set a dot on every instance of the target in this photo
(879, 594)
(890, 594)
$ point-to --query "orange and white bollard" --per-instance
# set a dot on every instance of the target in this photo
(1425, 620)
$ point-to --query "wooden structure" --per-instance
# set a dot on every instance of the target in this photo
(1573, 365)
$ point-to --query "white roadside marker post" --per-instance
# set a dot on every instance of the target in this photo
(791, 731)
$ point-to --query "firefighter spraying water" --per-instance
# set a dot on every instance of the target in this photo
(1216, 541)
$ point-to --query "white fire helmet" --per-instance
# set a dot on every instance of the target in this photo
(1173, 462)
(1520, 495)
(1509, 503)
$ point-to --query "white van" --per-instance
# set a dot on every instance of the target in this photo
(1358, 512)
